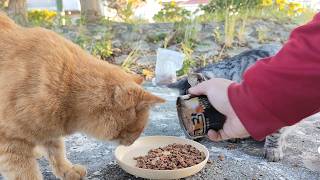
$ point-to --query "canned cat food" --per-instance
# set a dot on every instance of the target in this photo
(196, 115)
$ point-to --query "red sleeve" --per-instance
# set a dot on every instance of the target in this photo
(281, 90)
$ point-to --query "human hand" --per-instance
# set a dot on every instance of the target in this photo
(216, 89)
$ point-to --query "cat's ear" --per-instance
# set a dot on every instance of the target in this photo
(149, 99)
(137, 78)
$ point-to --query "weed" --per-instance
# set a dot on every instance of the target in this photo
(130, 60)
(229, 26)
(187, 46)
(217, 34)
(171, 12)
(262, 37)
(155, 38)
(103, 49)
(188, 60)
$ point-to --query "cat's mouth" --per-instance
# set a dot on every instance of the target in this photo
(128, 139)
(126, 142)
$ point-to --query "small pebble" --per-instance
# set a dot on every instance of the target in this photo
(221, 157)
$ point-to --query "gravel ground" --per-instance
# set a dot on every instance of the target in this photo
(242, 160)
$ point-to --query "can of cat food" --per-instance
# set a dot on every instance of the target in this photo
(196, 115)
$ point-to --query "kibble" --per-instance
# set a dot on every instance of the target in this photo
(172, 156)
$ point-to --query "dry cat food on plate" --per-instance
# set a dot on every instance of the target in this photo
(172, 156)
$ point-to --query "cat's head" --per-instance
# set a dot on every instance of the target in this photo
(122, 114)
(136, 104)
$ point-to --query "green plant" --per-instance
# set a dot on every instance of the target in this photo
(3, 5)
(185, 31)
(187, 46)
(105, 21)
(130, 60)
(81, 21)
(230, 11)
(125, 8)
(155, 38)
(229, 26)
(62, 20)
(83, 41)
(244, 13)
(203, 59)
(188, 60)
(217, 34)
(171, 12)
(221, 5)
(126, 12)
(261, 34)
(102, 49)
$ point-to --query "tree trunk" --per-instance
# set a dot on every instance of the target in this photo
(90, 10)
(17, 9)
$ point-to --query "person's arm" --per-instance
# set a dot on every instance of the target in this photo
(281, 90)
(276, 91)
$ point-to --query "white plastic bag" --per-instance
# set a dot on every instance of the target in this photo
(168, 62)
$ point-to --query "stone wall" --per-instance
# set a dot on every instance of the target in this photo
(148, 37)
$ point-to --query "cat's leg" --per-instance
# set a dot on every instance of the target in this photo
(17, 161)
(274, 145)
(62, 167)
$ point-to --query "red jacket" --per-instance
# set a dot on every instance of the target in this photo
(281, 90)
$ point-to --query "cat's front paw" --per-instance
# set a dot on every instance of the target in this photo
(77, 172)
(273, 154)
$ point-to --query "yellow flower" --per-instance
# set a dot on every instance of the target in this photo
(293, 6)
(281, 2)
(282, 6)
(290, 13)
(173, 3)
(147, 73)
(300, 10)
(267, 2)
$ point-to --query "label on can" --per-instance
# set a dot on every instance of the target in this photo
(197, 116)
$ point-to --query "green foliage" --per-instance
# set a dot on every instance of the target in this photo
(188, 60)
(81, 21)
(62, 20)
(103, 49)
(130, 60)
(126, 12)
(187, 45)
(171, 12)
(155, 38)
(185, 31)
(221, 5)
(3, 5)
(83, 41)
(217, 34)
(262, 37)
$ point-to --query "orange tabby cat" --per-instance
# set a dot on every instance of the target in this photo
(50, 88)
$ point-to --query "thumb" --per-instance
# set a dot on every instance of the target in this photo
(199, 89)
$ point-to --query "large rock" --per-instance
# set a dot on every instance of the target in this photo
(120, 59)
